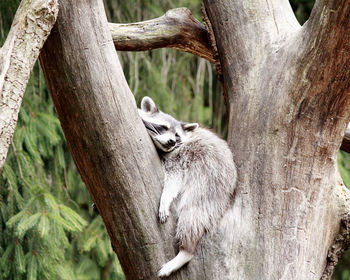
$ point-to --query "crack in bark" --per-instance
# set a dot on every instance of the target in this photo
(273, 15)
(212, 40)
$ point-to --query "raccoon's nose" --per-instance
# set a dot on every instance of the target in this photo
(171, 142)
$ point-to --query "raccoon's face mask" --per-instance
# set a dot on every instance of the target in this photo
(166, 132)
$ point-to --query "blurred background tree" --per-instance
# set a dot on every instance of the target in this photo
(47, 227)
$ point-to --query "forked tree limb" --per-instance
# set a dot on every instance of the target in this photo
(177, 29)
(30, 28)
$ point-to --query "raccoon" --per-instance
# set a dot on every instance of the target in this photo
(199, 171)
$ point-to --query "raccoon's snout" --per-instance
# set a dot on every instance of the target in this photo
(169, 145)
(171, 142)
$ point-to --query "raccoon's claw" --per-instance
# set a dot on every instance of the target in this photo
(163, 215)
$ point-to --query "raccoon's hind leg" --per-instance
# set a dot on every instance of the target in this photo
(181, 258)
(187, 250)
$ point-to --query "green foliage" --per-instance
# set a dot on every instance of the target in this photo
(47, 228)
(8, 9)
(302, 9)
(344, 167)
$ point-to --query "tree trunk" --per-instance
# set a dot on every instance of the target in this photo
(108, 141)
(288, 89)
(30, 28)
(288, 93)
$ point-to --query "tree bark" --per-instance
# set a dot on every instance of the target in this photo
(30, 28)
(288, 93)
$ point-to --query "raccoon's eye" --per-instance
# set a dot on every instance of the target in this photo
(161, 128)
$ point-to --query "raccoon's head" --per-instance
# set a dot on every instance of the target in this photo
(166, 132)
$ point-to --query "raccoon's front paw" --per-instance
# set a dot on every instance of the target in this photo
(163, 215)
(166, 270)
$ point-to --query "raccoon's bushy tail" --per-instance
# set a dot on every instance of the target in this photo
(196, 219)
(199, 214)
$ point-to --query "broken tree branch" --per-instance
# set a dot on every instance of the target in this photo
(177, 29)
(30, 28)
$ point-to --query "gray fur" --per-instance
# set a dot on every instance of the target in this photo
(199, 170)
(204, 166)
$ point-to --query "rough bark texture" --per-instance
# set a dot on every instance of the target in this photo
(288, 92)
(177, 29)
(30, 28)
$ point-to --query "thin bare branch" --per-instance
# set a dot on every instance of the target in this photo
(177, 29)
(30, 28)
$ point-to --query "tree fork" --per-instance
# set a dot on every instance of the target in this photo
(180, 30)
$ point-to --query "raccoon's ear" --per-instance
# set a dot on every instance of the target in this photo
(148, 105)
(189, 126)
